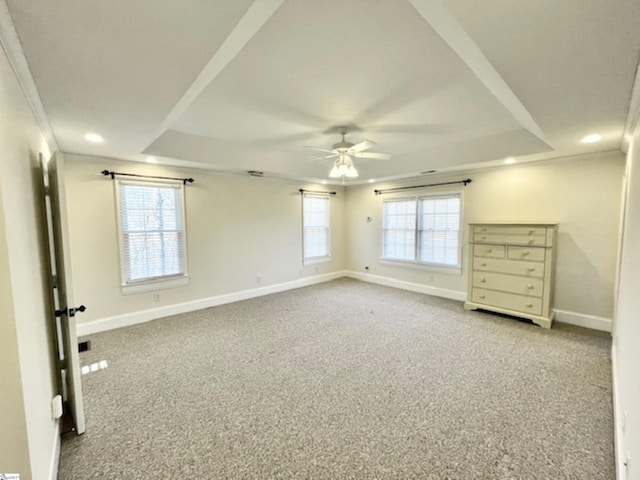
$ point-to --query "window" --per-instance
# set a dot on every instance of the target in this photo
(315, 226)
(422, 229)
(152, 233)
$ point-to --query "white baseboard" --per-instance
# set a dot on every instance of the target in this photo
(55, 456)
(584, 320)
(403, 285)
(135, 318)
(621, 470)
(564, 316)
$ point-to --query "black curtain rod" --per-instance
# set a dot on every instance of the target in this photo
(303, 191)
(464, 182)
(113, 175)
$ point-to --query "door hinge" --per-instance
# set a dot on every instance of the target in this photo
(54, 281)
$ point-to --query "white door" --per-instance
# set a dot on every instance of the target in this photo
(66, 308)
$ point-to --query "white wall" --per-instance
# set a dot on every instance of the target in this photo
(238, 228)
(581, 193)
(626, 334)
(14, 448)
(29, 433)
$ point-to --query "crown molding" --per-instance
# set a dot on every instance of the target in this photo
(633, 113)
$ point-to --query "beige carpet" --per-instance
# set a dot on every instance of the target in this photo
(345, 380)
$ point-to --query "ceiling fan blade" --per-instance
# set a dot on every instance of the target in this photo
(377, 156)
(333, 155)
(319, 149)
(365, 145)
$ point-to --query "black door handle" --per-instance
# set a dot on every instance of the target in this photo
(70, 312)
(73, 311)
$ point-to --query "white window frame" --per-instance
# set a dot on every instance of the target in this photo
(150, 284)
(323, 258)
(415, 262)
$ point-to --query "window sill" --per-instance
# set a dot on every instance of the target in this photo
(152, 286)
(313, 261)
(422, 266)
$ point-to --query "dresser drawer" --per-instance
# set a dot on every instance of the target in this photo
(510, 301)
(534, 254)
(510, 239)
(492, 251)
(508, 283)
(515, 267)
(510, 230)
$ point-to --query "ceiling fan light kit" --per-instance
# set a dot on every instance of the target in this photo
(343, 168)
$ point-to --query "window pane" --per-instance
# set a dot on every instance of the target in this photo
(398, 229)
(315, 226)
(439, 230)
(152, 230)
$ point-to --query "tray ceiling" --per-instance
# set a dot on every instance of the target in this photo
(236, 86)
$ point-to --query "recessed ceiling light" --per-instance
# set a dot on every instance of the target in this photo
(151, 160)
(323, 182)
(594, 137)
(93, 138)
(509, 161)
(371, 180)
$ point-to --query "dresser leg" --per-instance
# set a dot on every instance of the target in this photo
(544, 323)
(468, 306)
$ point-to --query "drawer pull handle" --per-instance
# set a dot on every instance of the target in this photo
(483, 229)
(483, 280)
(490, 250)
(483, 264)
(531, 240)
(531, 232)
(530, 287)
(529, 305)
(531, 269)
(482, 297)
(484, 238)
(525, 253)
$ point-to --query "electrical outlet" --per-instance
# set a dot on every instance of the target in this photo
(258, 279)
(366, 267)
(156, 297)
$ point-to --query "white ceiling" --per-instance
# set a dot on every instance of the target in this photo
(242, 85)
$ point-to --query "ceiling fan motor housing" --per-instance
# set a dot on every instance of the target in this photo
(342, 147)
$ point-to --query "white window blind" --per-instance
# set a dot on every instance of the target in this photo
(422, 229)
(152, 231)
(399, 229)
(439, 230)
(315, 224)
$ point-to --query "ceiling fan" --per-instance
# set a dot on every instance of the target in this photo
(343, 151)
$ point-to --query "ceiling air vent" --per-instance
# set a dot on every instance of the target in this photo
(255, 173)
(428, 172)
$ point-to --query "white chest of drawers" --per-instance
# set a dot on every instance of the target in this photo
(511, 269)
